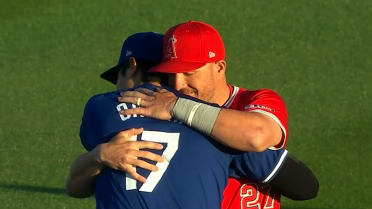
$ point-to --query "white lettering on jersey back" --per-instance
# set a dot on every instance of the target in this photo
(125, 106)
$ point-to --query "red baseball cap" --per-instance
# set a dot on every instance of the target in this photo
(189, 46)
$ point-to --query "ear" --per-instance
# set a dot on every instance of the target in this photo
(132, 67)
(221, 66)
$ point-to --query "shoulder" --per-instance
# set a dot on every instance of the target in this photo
(100, 100)
(100, 104)
(258, 94)
(103, 96)
(251, 98)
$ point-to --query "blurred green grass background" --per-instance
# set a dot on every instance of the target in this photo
(316, 54)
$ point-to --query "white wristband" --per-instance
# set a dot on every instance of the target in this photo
(195, 114)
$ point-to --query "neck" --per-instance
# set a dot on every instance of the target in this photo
(223, 94)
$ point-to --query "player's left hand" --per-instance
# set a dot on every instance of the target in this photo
(155, 104)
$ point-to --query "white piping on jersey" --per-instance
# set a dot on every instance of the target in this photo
(276, 119)
(276, 167)
(232, 97)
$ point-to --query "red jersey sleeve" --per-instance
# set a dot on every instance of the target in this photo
(267, 102)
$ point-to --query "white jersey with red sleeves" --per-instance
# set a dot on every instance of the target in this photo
(246, 193)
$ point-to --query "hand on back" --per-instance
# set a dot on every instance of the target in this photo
(122, 153)
(155, 104)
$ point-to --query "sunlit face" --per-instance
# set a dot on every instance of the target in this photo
(200, 83)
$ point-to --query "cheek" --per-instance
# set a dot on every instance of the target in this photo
(195, 82)
(200, 81)
(209, 85)
(208, 79)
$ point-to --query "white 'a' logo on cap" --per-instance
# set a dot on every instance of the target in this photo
(171, 48)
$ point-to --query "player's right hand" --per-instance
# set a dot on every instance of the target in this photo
(121, 153)
(155, 104)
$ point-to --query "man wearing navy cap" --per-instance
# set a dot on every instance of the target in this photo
(131, 69)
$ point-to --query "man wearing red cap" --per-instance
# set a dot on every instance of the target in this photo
(85, 169)
(194, 55)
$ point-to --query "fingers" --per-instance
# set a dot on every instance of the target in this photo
(132, 172)
(146, 91)
(137, 145)
(130, 132)
(124, 136)
(145, 165)
(146, 145)
(135, 162)
(150, 156)
(134, 100)
(135, 111)
(135, 131)
(161, 90)
(132, 96)
(133, 150)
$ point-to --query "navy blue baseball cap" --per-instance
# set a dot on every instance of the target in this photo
(145, 46)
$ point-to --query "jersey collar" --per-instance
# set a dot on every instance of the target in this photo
(233, 92)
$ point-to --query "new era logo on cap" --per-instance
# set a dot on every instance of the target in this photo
(211, 54)
(189, 46)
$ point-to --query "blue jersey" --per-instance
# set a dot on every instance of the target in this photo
(193, 174)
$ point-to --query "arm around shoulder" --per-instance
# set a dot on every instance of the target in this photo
(246, 131)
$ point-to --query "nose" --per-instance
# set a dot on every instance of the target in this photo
(179, 81)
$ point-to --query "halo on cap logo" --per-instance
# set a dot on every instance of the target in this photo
(171, 48)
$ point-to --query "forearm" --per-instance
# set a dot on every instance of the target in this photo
(246, 131)
(83, 172)
(242, 130)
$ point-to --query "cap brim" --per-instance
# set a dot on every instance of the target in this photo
(111, 74)
(176, 67)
